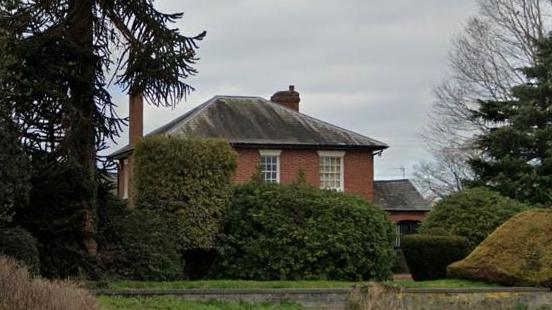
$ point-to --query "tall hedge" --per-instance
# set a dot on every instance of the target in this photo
(276, 232)
(428, 256)
(472, 214)
(190, 179)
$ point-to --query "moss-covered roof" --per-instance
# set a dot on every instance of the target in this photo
(255, 121)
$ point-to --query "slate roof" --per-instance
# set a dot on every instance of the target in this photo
(255, 121)
(399, 195)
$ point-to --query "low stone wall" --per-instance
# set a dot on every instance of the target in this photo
(434, 298)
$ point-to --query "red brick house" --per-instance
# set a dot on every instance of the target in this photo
(276, 136)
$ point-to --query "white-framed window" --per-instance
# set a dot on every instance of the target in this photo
(332, 170)
(270, 165)
(125, 178)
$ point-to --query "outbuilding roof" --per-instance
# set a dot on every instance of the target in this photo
(399, 195)
(255, 121)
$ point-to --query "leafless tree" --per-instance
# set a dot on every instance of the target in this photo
(443, 176)
(484, 63)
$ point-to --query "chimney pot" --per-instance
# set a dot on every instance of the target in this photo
(287, 98)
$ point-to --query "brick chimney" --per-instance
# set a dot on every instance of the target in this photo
(287, 98)
(136, 117)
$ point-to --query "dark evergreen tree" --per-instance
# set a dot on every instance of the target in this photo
(15, 182)
(516, 152)
(58, 58)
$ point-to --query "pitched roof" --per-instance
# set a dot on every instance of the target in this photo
(399, 195)
(255, 121)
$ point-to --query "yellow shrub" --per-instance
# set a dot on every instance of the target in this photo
(519, 252)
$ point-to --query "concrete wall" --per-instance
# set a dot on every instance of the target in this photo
(402, 299)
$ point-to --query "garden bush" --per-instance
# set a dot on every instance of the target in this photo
(190, 179)
(517, 253)
(20, 245)
(15, 182)
(277, 232)
(20, 291)
(54, 217)
(428, 256)
(472, 214)
(136, 244)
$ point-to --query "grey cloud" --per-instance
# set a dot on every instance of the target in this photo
(368, 66)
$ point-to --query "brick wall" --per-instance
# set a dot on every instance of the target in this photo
(358, 169)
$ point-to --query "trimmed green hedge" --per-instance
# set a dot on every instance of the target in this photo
(277, 232)
(518, 253)
(472, 214)
(20, 245)
(188, 179)
(136, 244)
(428, 256)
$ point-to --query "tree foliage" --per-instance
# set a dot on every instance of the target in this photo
(15, 182)
(483, 64)
(472, 214)
(277, 232)
(516, 153)
(59, 58)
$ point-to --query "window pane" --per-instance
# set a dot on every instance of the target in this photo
(330, 172)
(269, 168)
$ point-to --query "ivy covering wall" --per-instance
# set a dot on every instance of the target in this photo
(188, 178)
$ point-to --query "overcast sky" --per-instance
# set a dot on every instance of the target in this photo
(366, 65)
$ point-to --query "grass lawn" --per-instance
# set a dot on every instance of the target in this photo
(221, 284)
(121, 303)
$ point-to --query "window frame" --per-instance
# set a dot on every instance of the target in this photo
(271, 153)
(404, 228)
(333, 154)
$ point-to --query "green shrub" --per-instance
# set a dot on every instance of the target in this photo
(15, 182)
(137, 244)
(190, 179)
(20, 245)
(428, 256)
(517, 253)
(472, 214)
(277, 232)
(54, 218)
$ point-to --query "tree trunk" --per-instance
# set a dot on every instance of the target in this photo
(80, 135)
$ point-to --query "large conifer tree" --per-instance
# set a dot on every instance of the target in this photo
(516, 153)
(58, 58)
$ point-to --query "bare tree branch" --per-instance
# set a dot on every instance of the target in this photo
(484, 64)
